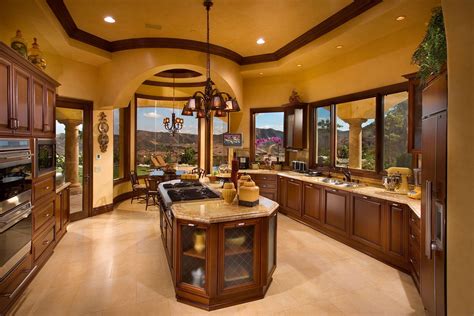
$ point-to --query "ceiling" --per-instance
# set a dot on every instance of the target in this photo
(235, 24)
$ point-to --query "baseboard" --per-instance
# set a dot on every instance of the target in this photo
(102, 209)
(122, 197)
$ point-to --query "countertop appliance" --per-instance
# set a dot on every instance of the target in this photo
(401, 185)
(299, 166)
(244, 162)
(15, 173)
(45, 155)
(177, 191)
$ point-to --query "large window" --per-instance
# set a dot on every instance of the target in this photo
(156, 147)
(395, 140)
(121, 152)
(219, 152)
(268, 131)
(367, 131)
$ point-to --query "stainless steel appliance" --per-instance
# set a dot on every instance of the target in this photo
(15, 202)
(15, 173)
(45, 155)
(244, 163)
(299, 166)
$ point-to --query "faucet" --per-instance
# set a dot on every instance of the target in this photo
(347, 174)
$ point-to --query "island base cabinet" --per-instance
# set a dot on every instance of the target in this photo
(223, 264)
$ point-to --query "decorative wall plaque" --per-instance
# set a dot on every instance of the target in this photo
(103, 128)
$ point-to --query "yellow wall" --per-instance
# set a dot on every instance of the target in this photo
(459, 17)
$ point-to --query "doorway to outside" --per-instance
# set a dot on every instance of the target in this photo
(73, 152)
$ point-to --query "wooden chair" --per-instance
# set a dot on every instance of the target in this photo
(158, 162)
(138, 190)
(200, 171)
(151, 191)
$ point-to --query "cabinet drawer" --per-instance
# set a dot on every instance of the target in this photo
(415, 236)
(266, 185)
(414, 258)
(12, 285)
(43, 187)
(414, 220)
(264, 177)
(41, 214)
(44, 241)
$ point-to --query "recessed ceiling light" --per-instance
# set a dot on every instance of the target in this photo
(339, 46)
(260, 73)
(109, 19)
(299, 65)
(260, 41)
(400, 18)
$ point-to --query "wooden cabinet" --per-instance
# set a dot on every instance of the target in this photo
(282, 181)
(44, 186)
(62, 210)
(368, 221)
(42, 214)
(27, 96)
(397, 231)
(294, 190)
(414, 247)
(43, 242)
(311, 210)
(336, 211)
(296, 121)
(267, 184)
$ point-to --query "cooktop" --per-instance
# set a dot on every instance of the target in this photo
(191, 193)
(181, 185)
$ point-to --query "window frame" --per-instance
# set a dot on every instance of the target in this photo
(149, 97)
(211, 158)
(254, 111)
(378, 94)
(125, 112)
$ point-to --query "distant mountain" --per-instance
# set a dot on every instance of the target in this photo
(268, 132)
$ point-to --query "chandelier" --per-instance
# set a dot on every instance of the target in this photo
(174, 124)
(203, 103)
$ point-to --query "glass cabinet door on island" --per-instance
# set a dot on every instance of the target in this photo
(192, 267)
(241, 255)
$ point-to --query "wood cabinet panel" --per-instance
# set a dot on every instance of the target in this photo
(294, 190)
(42, 213)
(282, 181)
(42, 243)
(397, 230)
(367, 221)
(49, 112)
(38, 106)
(13, 284)
(5, 96)
(21, 100)
(44, 186)
(58, 211)
(270, 194)
(312, 202)
(65, 207)
(336, 206)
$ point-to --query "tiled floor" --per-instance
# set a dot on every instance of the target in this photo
(114, 264)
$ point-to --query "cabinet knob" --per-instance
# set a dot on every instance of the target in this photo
(412, 236)
(47, 188)
(412, 220)
(412, 261)
(365, 198)
(47, 215)
(46, 242)
(333, 190)
(395, 204)
(191, 224)
(240, 224)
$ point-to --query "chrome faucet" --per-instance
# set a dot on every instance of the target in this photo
(347, 174)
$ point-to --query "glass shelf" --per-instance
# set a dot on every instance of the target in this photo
(193, 259)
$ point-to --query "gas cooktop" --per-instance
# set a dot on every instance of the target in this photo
(181, 185)
(191, 193)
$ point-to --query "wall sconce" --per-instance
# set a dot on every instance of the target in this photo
(103, 128)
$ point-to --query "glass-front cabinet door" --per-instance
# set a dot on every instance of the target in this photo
(239, 255)
(192, 257)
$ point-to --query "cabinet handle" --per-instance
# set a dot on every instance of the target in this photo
(365, 198)
(412, 236)
(46, 242)
(412, 220)
(412, 261)
(395, 204)
(333, 190)
(190, 224)
(264, 186)
(47, 188)
(47, 215)
(22, 284)
(240, 224)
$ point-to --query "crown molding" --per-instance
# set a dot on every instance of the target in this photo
(161, 98)
(344, 15)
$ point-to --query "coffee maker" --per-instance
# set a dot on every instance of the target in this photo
(244, 162)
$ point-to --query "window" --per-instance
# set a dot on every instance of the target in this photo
(268, 132)
(121, 119)
(355, 137)
(395, 139)
(155, 146)
(219, 152)
(366, 132)
(322, 137)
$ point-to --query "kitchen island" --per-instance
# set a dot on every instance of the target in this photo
(219, 254)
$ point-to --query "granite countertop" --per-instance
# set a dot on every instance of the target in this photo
(62, 186)
(216, 211)
(414, 205)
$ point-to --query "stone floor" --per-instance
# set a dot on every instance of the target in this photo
(114, 264)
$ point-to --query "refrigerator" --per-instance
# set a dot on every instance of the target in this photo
(433, 202)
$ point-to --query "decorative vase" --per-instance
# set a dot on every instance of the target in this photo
(229, 192)
(18, 43)
(36, 56)
(199, 242)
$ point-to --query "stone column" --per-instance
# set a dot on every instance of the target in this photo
(355, 142)
(71, 150)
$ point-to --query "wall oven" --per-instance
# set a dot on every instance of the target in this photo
(15, 202)
(45, 156)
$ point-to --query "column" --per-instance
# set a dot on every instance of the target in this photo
(355, 142)
(72, 152)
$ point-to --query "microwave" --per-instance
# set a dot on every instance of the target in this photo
(45, 156)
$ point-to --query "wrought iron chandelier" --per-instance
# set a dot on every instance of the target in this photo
(203, 103)
(175, 124)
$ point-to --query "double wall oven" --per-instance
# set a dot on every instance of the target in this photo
(15, 203)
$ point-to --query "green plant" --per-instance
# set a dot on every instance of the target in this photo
(189, 156)
(431, 54)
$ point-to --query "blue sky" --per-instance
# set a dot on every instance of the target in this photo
(60, 128)
(273, 120)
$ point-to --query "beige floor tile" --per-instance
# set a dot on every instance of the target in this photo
(114, 264)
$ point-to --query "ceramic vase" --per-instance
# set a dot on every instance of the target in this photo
(36, 56)
(19, 44)
(229, 192)
(199, 242)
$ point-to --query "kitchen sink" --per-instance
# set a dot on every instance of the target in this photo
(332, 181)
(348, 185)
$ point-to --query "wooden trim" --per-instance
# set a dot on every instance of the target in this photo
(102, 209)
(178, 73)
(176, 85)
(161, 98)
(344, 15)
(87, 106)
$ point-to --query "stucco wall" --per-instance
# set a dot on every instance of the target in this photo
(459, 21)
